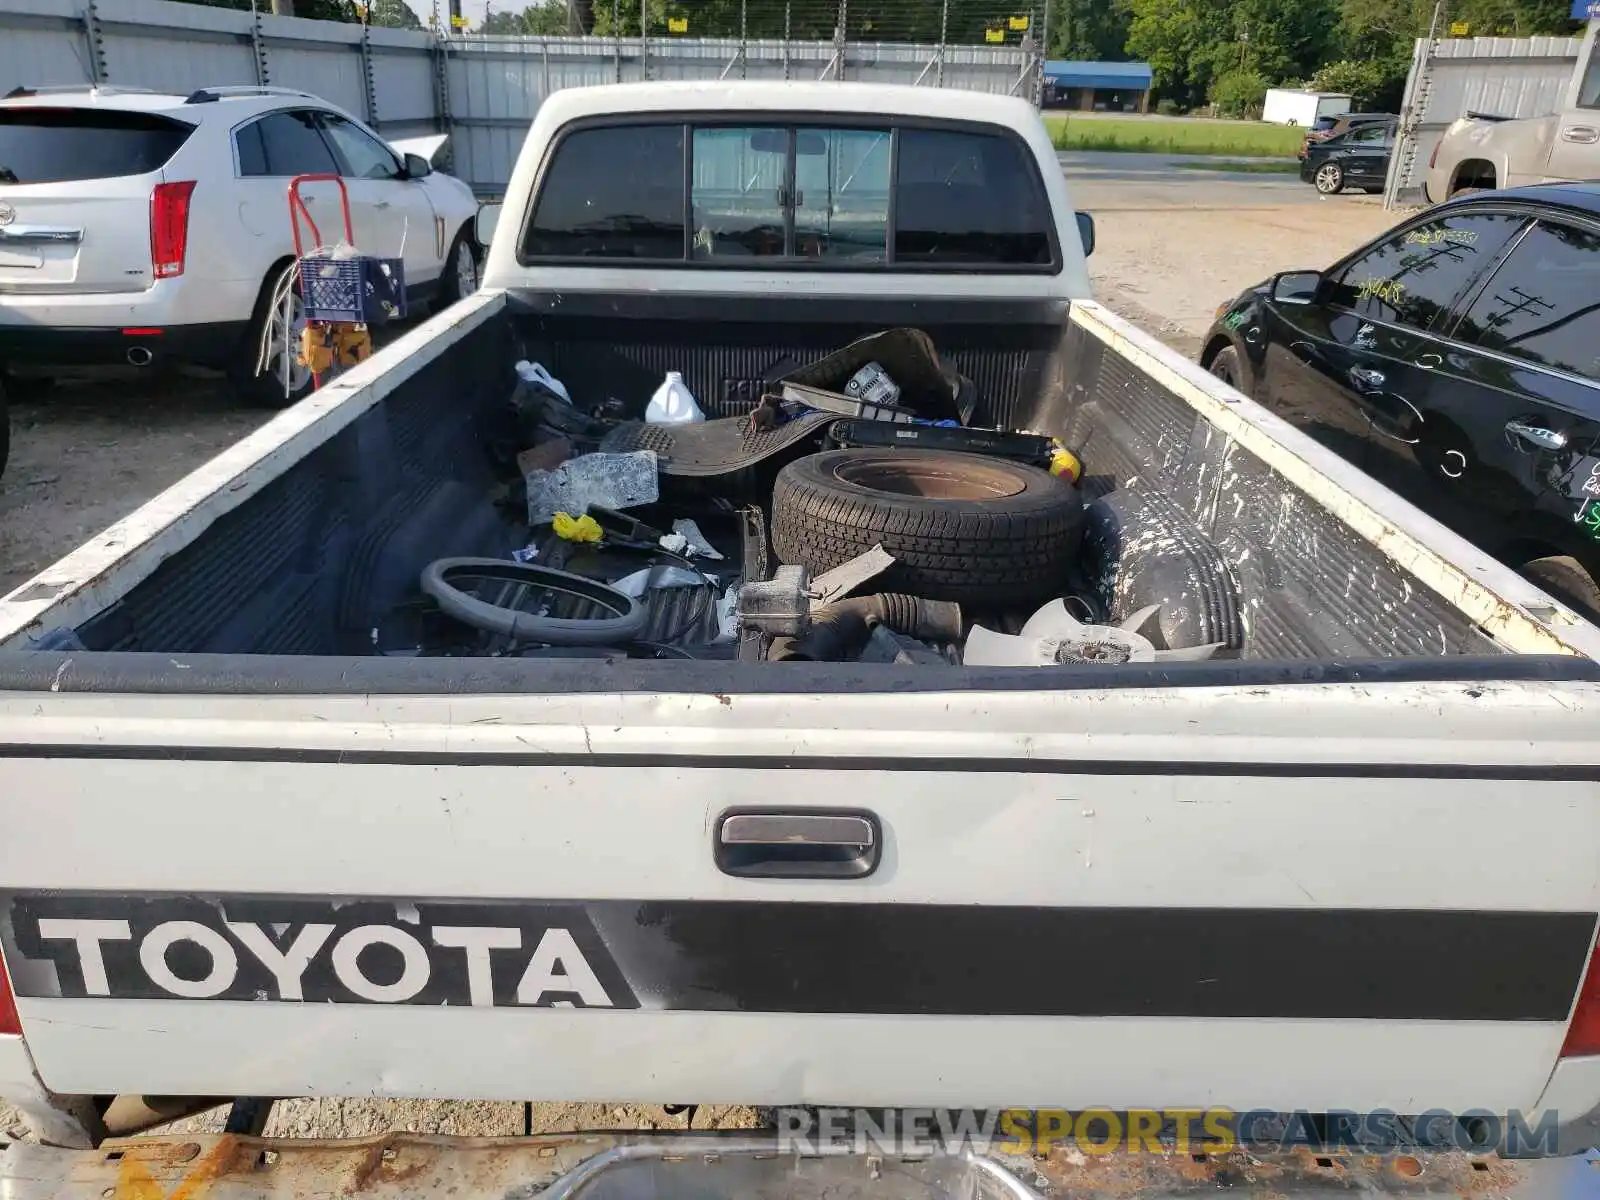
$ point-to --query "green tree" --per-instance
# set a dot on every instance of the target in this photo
(548, 19)
(392, 14)
(1088, 30)
(1182, 41)
(1364, 82)
(1280, 39)
(1239, 93)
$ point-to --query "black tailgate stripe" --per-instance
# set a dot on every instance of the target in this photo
(885, 958)
(1544, 772)
(1286, 963)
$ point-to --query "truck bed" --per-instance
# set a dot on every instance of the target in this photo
(1296, 855)
(312, 561)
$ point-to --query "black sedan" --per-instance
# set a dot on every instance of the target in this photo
(1359, 158)
(1457, 360)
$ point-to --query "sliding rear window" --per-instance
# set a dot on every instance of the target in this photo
(796, 195)
(64, 145)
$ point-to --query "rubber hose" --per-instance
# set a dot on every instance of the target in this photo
(839, 631)
(529, 627)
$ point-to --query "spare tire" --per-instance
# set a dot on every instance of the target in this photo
(981, 531)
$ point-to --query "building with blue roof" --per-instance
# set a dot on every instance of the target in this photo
(1097, 86)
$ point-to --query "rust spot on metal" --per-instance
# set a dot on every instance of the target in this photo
(136, 1181)
(724, 700)
(1408, 1166)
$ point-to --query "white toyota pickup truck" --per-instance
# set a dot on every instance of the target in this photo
(1212, 774)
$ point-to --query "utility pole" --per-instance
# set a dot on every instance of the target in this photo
(283, 8)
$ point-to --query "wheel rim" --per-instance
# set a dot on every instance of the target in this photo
(466, 271)
(1223, 371)
(283, 339)
(1328, 178)
(930, 479)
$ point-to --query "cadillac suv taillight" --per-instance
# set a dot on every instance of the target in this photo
(169, 227)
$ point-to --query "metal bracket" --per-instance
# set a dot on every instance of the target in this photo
(258, 47)
(441, 86)
(841, 39)
(368, 75)
(94, 35)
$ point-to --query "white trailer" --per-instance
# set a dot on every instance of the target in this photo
(1291, 106)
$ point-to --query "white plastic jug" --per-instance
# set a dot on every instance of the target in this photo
(673, 403)
(532, 372)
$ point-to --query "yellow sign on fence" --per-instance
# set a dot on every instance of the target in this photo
(677, 24)
(1018, 24)
(458, 22)
(994, 35)
(1459, 29)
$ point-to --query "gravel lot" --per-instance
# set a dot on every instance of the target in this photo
(1171, 246)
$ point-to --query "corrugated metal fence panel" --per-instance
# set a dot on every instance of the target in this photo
(175, 47)
(403, 81)
(42, 42)
(1510, 77)
(495, 84)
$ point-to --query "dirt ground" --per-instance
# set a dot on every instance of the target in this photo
(1169, 251)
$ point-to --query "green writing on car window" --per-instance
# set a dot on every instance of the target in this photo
(1387, 290)
(1433, 237)
(1235, 319)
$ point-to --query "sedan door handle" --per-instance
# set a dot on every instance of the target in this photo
(817, 844)
(1537, 436)
(1584, 135)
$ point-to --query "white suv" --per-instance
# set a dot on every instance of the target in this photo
(142, 228)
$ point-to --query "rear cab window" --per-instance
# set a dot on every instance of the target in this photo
(800, 193)
(65, 145)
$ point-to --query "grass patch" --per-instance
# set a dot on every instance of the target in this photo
(1243, 168)
(1131, 135)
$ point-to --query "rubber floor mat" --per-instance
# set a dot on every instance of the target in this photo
(707, 449)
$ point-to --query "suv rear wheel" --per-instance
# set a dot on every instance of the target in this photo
(1330, 179)
(278, 319)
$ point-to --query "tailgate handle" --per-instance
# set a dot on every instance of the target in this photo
(37, 234)
(767, 843)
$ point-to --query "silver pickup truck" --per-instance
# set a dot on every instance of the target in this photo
(1480, 151)
(1204, 772)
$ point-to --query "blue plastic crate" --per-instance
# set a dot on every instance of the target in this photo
(360, 289)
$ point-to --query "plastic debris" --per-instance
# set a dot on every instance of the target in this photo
(728, 615)
(1054, 637)
(577, 529)
(780, 605)
(526, 555)
(872, 384)
(673, 403)
(674, 543)
(848, 576)
(1064, 464)
(532, 372)
(610, 480)
(697, 545)
(546, 456)
(642, 581)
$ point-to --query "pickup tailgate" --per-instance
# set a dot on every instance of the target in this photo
(1291, 896)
